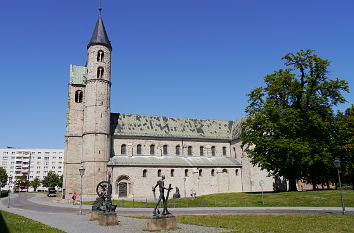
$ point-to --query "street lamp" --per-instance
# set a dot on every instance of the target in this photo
(336, 163)
(82, 172)
(8, 193)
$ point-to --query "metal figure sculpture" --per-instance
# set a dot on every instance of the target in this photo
(162, 188)
(104, 202)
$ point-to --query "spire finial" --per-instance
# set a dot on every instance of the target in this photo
(100, 9)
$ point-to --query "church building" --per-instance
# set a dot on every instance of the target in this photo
(195, 155)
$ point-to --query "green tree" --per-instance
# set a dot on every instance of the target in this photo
(289, 131)
(22, 181)
(60, 184)
(3, 178)
(51, 180)
(35, 183)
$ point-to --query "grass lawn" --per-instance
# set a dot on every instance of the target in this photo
(275, 223)
(14, 223)
(319, 198)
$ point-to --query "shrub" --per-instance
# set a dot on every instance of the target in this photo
(4, 193)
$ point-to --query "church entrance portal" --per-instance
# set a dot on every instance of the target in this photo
(122, 186)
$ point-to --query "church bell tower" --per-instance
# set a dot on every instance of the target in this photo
(96, 127)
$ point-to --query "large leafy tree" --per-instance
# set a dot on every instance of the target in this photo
(22, 181)
(35, 183)
(289, 131)
(51, 180)
(3, 178)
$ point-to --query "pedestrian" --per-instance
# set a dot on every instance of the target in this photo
(74, 199)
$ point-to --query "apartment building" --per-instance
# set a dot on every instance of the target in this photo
(31, 162)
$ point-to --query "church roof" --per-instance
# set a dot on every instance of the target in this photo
(173, 161)
(99, 36)
(77, 74)
(177, 127)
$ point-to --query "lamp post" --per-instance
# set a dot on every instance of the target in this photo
(82, 172)
(8, 193)
(336, 163)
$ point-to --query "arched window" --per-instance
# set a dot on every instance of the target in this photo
(200, 172)
(144, 173)
(138, 149)
(172, 172)
(224, 170)
(212, 172)
(100, 71)
(165, 150)
(159, 173)
(123, 149)
(236, 172)
(213, 150)
(178, 150)
(100, 55)
(224, 151)
(190, 151)
(78, 96)
(186, 172)
(201, 151)
(152, 149)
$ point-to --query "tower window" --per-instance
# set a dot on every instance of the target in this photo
(123, 149)
(100, 71)
(172, 172)
(200, 172)
(100, 56)
(144, 173)
(78, 96)
(159, 173)
(212, 172)
(152, 149)
(201, 151)
(213, 150)
(236, 172)
(190, 151)
(224, 151)
(178, 149)
(165, 150)
(138, 149)
(186, 172)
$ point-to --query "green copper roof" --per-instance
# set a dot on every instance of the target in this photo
(173, 161)
(77, 74)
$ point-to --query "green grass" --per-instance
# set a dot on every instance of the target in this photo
(14, 223)
(327, 198)
(275, 223)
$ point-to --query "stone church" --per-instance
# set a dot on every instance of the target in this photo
(195, 155)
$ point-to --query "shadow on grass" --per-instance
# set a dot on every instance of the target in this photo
(3, 226)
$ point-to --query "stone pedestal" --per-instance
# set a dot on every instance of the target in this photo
(161, 223)
(108, 219)
(95, 215)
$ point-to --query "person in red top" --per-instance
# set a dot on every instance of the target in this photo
(74, 198)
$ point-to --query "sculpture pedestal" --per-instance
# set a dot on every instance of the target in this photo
(95, 215)
(161, 223)
(108, 219)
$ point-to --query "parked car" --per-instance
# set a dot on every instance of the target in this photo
(52, 192)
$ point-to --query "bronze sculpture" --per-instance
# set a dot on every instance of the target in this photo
(162, 188)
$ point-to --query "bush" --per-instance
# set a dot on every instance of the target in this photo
(4, 193)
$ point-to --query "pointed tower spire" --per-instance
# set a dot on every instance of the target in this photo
(99, 36)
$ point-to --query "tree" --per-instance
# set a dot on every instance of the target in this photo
(289, 131)
(60, 184)
(51, 180)
(3, 178)
(35, 183)
(22, 181)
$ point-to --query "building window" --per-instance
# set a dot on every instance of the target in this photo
(123, 149)
(190, 151)
(165, 150)
(178, 149)
(236, 172)
(138, 149)
(152, 149)
(159, 173)
(213, 150)
(100, 71)
(100, 56)
(186, 172)
(212, 172)
(200, 172)
(172, 172)
(144, 172)
(224, 151)
(78, 96)
(201, 151)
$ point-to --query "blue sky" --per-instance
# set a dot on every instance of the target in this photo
(183, 58)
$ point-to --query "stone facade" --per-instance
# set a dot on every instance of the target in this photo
(204, 156)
